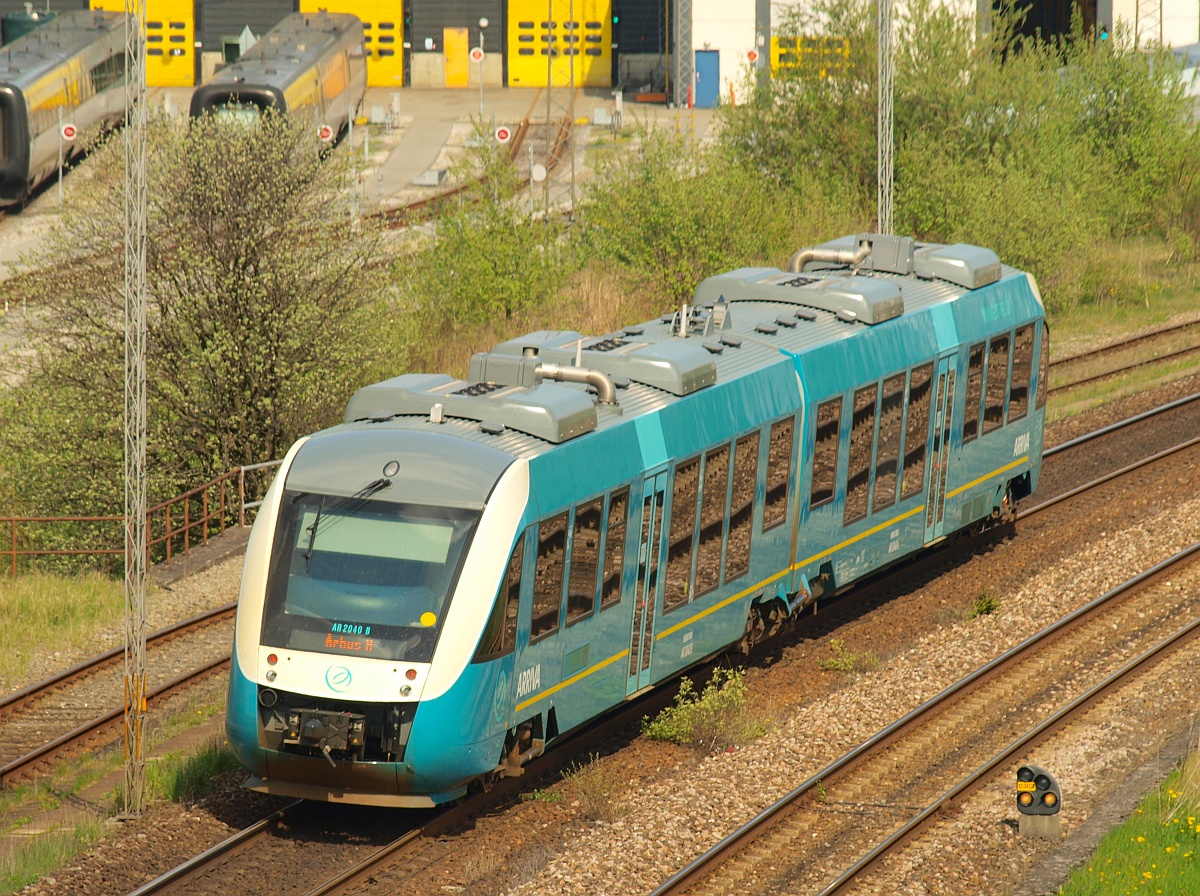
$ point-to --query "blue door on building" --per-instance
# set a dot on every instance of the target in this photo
(708, 78)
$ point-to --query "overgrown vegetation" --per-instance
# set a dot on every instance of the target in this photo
(48, 613)
(597, 786)
(848, 661)
(187, 777)
(1155, 850)
(44, 854)
(716, 718)
(984, 605)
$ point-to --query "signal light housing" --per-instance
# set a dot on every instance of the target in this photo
(1038, 792)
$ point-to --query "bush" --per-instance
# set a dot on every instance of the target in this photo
(845, 660)
(597, 787)
(716, 718)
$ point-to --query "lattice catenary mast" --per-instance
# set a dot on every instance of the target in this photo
(135, 407)
(884, 130)
(562, 51)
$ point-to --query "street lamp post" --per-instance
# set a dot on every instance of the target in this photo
(483, 23)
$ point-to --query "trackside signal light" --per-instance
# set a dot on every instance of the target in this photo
(1038, 792)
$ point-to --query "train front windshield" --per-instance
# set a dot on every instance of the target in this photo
(356, 577)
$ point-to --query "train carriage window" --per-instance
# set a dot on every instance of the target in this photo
(548, 577)
(887, 460)
(1043, 383)
(916, 431)
(997, 383)
(1022, 367)
(741, 507)
(614, 548)
(779, 468)
(825, 452)
(500, 636)
(862, 440)
(585, 557)
(712, 519)
(108, 72)
(677, 587)
(974, 393)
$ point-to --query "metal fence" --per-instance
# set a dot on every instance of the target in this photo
(173, 527)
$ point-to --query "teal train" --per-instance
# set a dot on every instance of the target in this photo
(466, 569)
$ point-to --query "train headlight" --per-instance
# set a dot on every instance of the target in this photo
(271, 675)
(405, 690)
(1038, 792)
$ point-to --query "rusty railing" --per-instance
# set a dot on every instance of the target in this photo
(172, 528)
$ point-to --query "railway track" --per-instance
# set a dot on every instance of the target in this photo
(875, 798)
(1177, 341)
(84, 703)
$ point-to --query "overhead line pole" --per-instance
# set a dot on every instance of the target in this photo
(135, 407)
(884, 129)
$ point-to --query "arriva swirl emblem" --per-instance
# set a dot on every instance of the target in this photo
(338, 678)
(500, 699)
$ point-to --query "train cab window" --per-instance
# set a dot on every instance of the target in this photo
(997, 383)
(585, 558)
(974, 393)
(1043, 381)
(677, 587)
(779, 468)
(500, 636)
(1022, 367)
(887, 455)
(862, 440)
(916, 430)
(614, 548)
(741, 506)
(825, 452)
(548, 577)
(712, 519)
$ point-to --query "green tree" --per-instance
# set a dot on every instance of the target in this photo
(263, 315)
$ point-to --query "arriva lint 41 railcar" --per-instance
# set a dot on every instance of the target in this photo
(468, 568)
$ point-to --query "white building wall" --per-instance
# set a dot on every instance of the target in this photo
(1180, 20)
(728, 27)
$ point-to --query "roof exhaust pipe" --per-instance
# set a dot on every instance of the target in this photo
(603, 384)
(852, 257)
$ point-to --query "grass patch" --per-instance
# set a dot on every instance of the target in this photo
(848, 661)
(1155, 850)
(985, 605)
(42, 855)
(186, 778)
(55, 612)
(714, 719)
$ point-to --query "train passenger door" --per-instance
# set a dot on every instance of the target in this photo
(645, 596)
(939, 448)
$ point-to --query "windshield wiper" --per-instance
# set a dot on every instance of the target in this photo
(312, 537)
(344, 506)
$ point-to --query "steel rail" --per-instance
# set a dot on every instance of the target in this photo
(227, 847)
(703, 865)
(1127, 342)
(1118, 371)
(21, 765)
(1120, 424)
(80, 670)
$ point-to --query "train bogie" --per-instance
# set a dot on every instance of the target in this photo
(582, 518)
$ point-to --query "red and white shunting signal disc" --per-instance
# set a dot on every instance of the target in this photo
(325, 132)
(477, 54)
(503, 135)
(69, 131)
(752, 55)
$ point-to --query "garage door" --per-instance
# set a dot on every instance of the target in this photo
(578, 29)
(170, 40)
(383, 33)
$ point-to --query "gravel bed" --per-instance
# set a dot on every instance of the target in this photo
(673, 820)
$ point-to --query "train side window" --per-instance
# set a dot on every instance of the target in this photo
(997, 383)
(585, 557)
(500, 636)
(677, 587)
(916, 431)
(974, 393)
(712, 519)
(779, 469)
(1018, 393)
(548, 577)
(1043, 383)
(825, 452)
(887, 460)
(862, 440)
(614, 548)
(741, 507)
